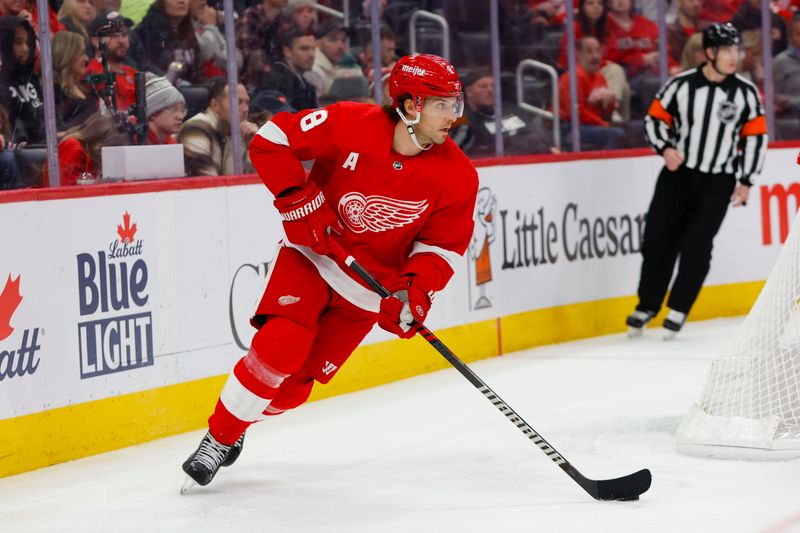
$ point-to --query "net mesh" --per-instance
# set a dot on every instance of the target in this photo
(752, 392)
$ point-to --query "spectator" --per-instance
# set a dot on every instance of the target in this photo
(331, 49)
(206, 137)
(210, 41)
(166, 109)
(592, 20)
(257, 39)
(687, 23)
(786, 69)
(73, 105)
(748, 18)
(266, 105)
(301, 14)
(169, 42)
(76, 16)
(287, 76)
(596, 103)
(548, 12)
(388, 54)
(751, 65)
(719, 10)
(8, 165)
(24, 10)
(636, 40)
(20, 88)
(693, 54)
(637, 51)
(79, 152)
(348, 85)
(474, 133)
(117, 47)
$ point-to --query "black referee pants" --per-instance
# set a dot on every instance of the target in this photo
(685, 214)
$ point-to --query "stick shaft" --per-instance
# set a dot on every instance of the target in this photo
(466, 371)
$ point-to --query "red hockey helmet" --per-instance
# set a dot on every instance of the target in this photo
(424, 75)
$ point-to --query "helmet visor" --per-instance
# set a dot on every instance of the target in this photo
(444, 106)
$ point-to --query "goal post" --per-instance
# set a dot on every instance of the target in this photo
(750, 406)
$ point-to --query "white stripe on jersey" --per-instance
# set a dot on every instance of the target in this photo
(271, 132)
(339, 281)
(452, 258)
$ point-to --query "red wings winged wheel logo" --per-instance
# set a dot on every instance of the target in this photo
(378, 213)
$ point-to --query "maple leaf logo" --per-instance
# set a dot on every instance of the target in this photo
(9, 301)
(126, 232)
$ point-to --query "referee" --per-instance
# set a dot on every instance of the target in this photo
(708, 123)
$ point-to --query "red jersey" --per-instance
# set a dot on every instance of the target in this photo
(124, 88)
(719, 10)
(404, 215)
(634, 43)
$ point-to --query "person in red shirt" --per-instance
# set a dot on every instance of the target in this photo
(596, 102)
(117, 46)
(26, 10)
(392, 189)
(636, 40)
(79, 152)
(592, 20)
(719, 10)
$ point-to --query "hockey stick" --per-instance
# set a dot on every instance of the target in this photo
(622, 488)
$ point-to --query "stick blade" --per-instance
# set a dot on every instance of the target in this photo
(622, 488)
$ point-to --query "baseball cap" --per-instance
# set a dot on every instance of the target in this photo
(327, 26)
(272, 101)
(103, 18)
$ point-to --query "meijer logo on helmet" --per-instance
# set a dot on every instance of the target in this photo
(414, 71)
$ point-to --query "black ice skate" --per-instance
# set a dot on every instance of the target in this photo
(673, 324)
(203, 464)
(234, 452)
(636, 322)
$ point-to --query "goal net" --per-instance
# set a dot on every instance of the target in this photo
(750, 407)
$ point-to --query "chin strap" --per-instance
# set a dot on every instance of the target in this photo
(410, 128)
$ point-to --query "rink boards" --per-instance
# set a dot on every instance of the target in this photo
(122, 307)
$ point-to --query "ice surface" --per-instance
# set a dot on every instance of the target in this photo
(430, 454)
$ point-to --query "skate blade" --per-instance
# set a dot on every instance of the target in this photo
(635, 332)
(669, 334)
(188, 483)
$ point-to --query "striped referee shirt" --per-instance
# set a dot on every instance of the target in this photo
(719, 128)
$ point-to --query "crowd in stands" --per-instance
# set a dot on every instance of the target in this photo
(292, 56)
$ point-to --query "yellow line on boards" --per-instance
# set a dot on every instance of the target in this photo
(62, 434)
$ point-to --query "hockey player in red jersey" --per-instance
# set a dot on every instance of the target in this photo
(393, 190)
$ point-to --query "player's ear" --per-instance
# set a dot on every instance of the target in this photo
(408, 107)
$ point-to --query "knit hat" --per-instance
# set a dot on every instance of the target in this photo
(294, 5)
(160, 94)
(348, 88)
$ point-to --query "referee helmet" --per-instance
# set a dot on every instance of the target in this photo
(718, 35)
